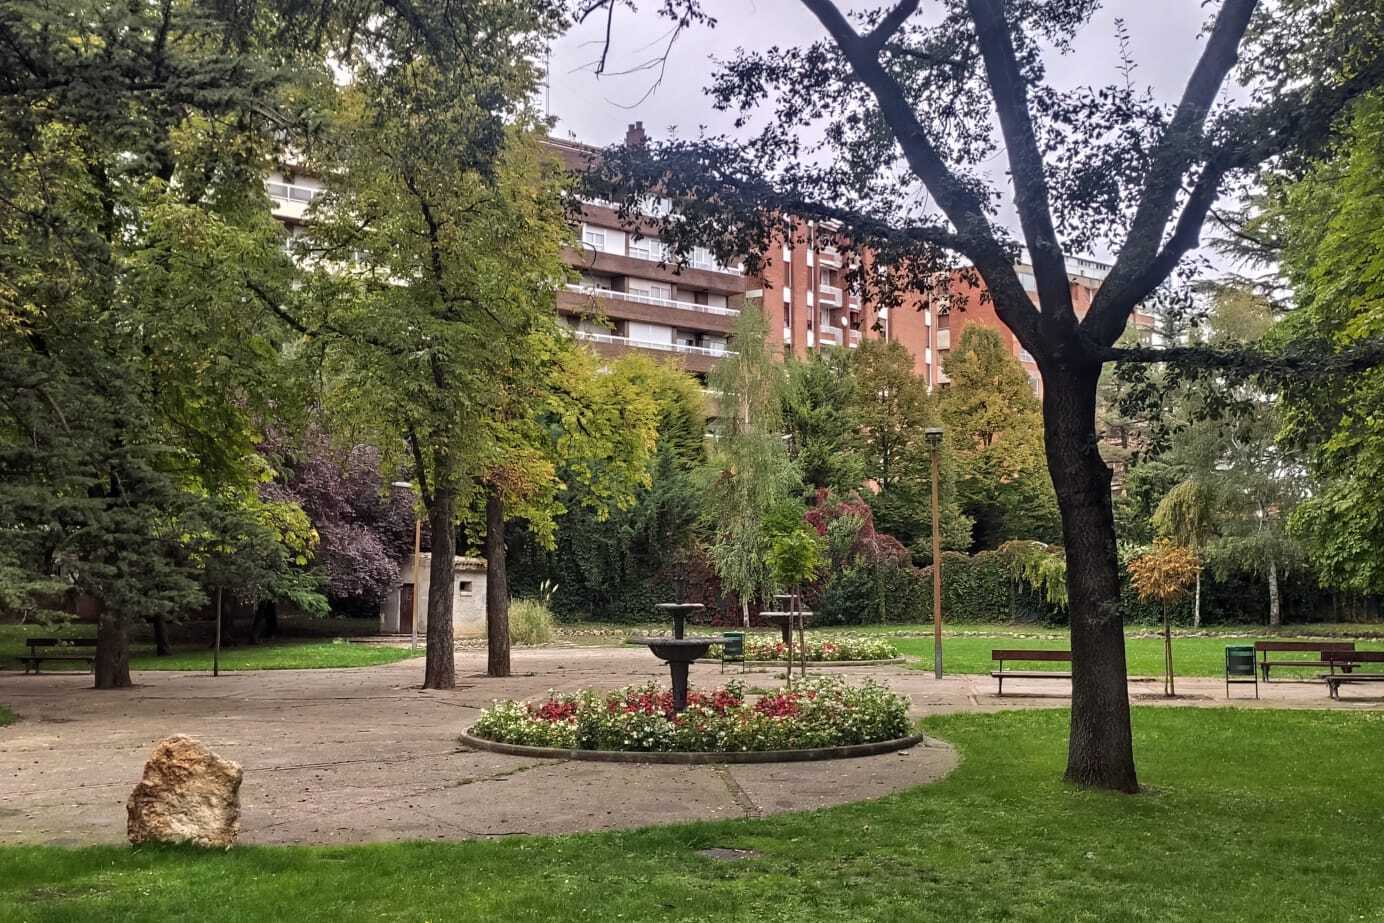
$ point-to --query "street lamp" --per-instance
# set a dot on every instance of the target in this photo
(417, 562)
(934, 443)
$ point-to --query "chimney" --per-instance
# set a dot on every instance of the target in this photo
(635, 136)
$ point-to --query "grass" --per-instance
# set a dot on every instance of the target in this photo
(1193, 655)
(6, 716)
(1238, 822)
(287, 654)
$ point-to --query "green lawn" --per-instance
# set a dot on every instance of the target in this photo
(1239, 822)
(286, 654)
(6, 716)
(1192, 655)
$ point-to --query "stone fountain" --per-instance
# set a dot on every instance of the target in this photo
(679, 653)
(679, 612)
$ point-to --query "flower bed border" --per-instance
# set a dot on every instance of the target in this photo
(698, 757)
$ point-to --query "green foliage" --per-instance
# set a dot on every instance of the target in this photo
(819, 405)
(891, 411)
(1042, 567)
(975, 588)
(795, 558)
(531, 622)
(749, 481)
(1331, 224)
(1187, 515)
(874, 593)
(995, 438)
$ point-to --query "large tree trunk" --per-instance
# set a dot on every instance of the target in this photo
(1100, 748)
(496, 586)
(439, 668)
(112, 652)
(1275, 610)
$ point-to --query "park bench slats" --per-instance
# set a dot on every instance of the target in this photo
(1347, 660)
(1321, 648)
(38, 648)
(1031, 656)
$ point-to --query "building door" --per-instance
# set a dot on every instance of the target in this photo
(406, 609)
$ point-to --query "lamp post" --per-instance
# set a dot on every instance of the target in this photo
(417, 561)
(934, 443)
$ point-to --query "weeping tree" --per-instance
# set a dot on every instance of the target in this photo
(1187, 517)
(749, 478)
(910, 98)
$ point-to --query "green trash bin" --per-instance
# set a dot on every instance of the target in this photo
(733, 649)
(1240, 667)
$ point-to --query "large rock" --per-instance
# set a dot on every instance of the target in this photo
(188, 795)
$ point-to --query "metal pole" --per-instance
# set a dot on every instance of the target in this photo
(936, 567)
(417, 566)
(216, 653)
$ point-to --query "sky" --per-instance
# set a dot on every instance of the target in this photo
(1165, 41)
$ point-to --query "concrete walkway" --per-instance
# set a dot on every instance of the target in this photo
(359, 755)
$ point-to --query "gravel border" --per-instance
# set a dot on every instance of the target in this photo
(805, 755)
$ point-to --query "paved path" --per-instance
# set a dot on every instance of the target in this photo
(341, 756)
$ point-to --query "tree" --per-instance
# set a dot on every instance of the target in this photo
(819, 415)
(891, 411)
(1187, 518)
(436, 251)
(1326, 228)
(749, 479)
(899, 95)
(133, 221)
(598, 428)
(994, 428)
(1164, 573)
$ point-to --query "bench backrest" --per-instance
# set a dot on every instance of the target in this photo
(1239, 661)
(1354, 656)
(60, 642)
(1031, 655)
(732, 645)
(1322, 646)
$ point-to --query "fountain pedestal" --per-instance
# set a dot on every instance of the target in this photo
(679, 653)
(679, 612)
(785, 621)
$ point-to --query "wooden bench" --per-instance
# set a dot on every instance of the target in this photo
(1346, 661)
(69, 646)
(1031, 657)
(1321, 648)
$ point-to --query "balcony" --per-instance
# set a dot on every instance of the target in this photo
(829, 256)
(944, 338)
(830, 336)
(613, 340)
(642, 298)
(853, 338)
(829, 295)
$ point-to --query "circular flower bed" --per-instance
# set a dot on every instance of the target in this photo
(818, 712)
(820, 648)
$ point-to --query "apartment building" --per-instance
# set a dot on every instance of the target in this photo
(806, 296)
(967, 306)
(625, 297)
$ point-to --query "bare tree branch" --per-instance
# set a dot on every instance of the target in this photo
(890, 24)
(1010, 92)
(1174, 154)
(960, 203)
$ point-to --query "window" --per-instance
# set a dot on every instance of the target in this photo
(649, 248)
(593, 237)
(464, 587)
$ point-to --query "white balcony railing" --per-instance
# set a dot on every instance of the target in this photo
(829, 294)
(853, 338)
(944, 339)
(830, 336)
(650, 344)
(641, 298)
(829, 256)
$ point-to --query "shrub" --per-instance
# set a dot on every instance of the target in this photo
(820, 649)
(530, 622)
(818, 712)
(873, 593)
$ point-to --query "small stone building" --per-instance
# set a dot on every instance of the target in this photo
(468, 599)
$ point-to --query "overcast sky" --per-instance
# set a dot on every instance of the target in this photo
(1165, 41)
